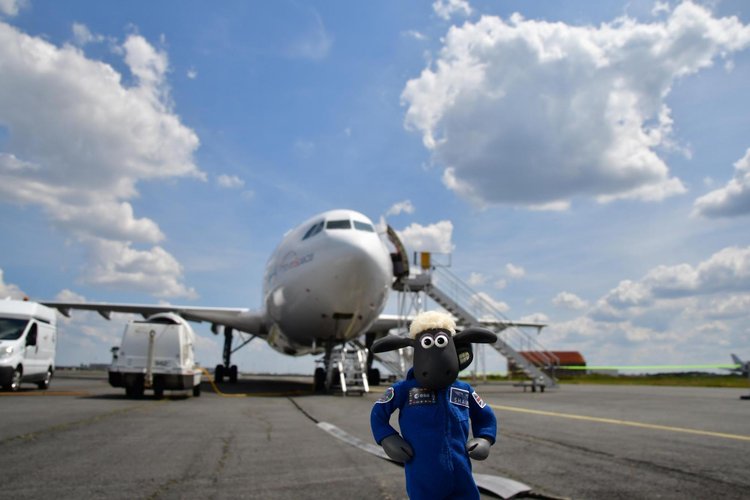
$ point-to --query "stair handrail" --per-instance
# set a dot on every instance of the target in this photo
(485, 311)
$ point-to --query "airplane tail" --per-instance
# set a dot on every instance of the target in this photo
(737, 360)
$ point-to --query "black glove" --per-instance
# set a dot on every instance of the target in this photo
(397, 448)
(478, 448)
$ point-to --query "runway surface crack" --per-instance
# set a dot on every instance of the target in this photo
(55, 429)
(303, 411)
(226, 446)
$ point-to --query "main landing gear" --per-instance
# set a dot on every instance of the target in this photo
(226, 370)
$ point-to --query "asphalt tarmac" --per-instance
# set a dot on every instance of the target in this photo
(259, 439)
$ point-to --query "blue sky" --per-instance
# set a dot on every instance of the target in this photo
(586, 163)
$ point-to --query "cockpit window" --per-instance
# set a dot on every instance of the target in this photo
(339, 224)
(363, 226)
(314, 229)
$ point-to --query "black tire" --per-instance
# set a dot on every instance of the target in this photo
(219, 373)
(233, 372)
(44, 384)
(320, 380)
(158, 387)
(15, 381)
(197, 390)
(373, 377)
(136, 389)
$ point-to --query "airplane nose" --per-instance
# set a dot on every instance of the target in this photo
(333, 290)
(357, 263)
(358, 258)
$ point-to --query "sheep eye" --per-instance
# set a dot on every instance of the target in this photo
(441, 340)
(426, 341)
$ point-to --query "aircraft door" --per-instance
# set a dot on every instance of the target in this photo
(399, 258)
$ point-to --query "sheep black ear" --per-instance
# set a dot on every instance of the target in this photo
(391, 343)
(475, 335)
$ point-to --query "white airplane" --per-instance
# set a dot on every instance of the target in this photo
(326, 284)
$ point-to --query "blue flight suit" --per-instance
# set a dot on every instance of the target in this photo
(436, 425)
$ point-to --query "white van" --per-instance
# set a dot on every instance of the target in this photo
(28, 341)
(157, 354)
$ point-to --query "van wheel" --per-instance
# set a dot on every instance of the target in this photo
(135, 389)
(15, 381)
(44, 384)
(158, 388)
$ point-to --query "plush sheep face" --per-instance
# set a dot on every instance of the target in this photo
(435, 359)
(437, 347)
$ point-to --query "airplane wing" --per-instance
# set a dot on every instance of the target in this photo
(386, 322)
(507, 324)
(236, 318)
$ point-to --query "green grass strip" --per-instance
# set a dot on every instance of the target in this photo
(651, 367)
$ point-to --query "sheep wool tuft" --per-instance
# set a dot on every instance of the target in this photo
(430, 320)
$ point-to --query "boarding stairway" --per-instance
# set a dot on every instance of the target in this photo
(472, 308)
(397, 362)
(350, 361)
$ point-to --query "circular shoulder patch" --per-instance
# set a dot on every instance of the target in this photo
(387, 396)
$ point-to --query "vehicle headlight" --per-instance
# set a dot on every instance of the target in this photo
(6, 351)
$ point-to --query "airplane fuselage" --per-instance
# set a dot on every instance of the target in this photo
(328, 280)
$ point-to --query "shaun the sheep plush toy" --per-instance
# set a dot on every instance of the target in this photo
(435, 409)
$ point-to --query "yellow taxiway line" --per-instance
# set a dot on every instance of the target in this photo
(628, 423)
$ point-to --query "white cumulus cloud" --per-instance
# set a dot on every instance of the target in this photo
(9, 290)
(82, 35)
(448, 8)
(431, 238)
(534, 113)
(79, 141)
(731, 200)
(477, 279)
(229, 181)
(402, 207)
(680, 313)
(10, 8)
(569, 300)
(514, 271)
(416, 35)
(481, 301)
(155, 271)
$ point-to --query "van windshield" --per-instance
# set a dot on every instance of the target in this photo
(11, 328)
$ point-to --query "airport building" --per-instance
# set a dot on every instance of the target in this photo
(567, 358)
